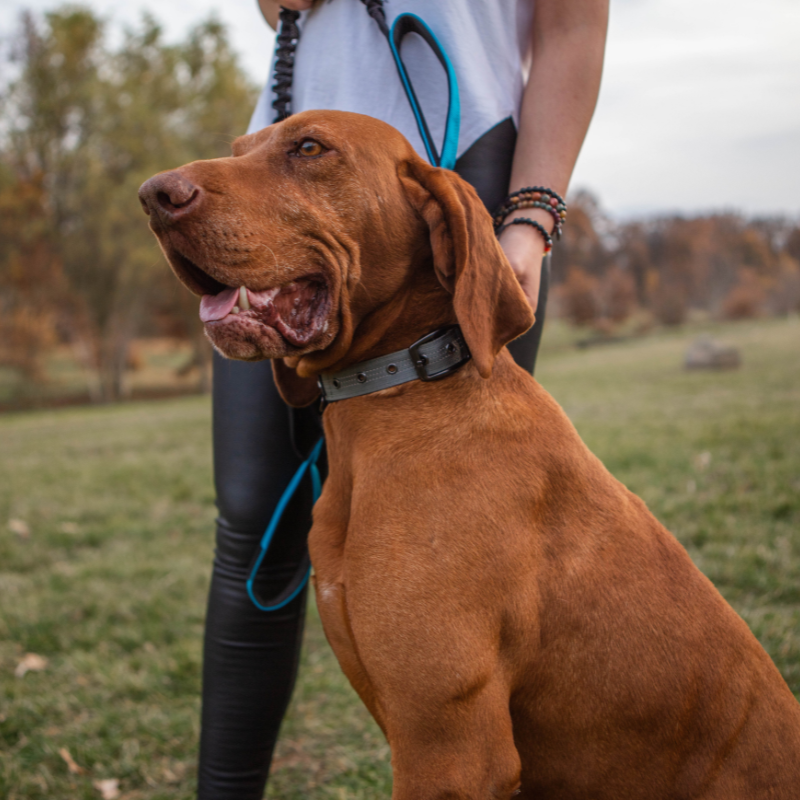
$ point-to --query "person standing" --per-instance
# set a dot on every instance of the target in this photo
(528, 73)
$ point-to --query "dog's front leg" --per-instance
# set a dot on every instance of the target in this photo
(332, 605)
(440, 689)
(416, 637)
(449, 729)
(460, 748)
(443, 704)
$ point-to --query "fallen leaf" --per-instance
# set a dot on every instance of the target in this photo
(108, 788)
(70, 762)
(31, 662)
(702, 461)
(20, 527)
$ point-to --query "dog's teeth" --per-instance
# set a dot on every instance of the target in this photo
(235, 310)
(244, 300)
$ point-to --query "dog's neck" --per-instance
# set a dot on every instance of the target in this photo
(418, 307)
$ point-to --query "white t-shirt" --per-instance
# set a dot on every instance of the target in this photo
(344, 62)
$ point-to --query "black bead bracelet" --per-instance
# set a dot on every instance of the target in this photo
(548, 239)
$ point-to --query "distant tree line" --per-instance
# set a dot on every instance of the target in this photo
(85, 122)
(723, 264)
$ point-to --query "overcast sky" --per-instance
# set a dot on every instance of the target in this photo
(699, 108)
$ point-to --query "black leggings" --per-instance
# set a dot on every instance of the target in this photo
(251, 656)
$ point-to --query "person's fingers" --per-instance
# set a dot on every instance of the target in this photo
(529, 277)
(525, 250)
(529, 282)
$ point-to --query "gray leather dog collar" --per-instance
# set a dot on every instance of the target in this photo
(430, 358)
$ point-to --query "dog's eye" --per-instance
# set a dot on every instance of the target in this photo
(310, 148)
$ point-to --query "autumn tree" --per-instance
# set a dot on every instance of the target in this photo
(91, 123)
(30, 275)
(582, 244)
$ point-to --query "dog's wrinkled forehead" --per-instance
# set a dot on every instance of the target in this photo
(352, 137)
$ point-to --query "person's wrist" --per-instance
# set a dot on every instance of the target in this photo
(525, 240)
(539, 215)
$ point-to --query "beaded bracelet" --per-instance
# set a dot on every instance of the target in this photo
(548, 239)
(534, 197)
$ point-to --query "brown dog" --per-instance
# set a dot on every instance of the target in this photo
(513, 617)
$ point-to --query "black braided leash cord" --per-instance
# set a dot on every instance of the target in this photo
(288, 37)
(375, 10)
(284, 63)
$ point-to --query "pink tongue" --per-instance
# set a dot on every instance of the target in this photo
(214, 307)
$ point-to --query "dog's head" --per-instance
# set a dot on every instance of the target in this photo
(317, 226)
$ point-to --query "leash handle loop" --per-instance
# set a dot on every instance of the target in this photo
(401, 27)
(300, 578)
(411, 23)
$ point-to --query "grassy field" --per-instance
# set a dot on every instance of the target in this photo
(105, 559)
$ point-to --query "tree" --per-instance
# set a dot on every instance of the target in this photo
(582, 244)
(30, 274)
(93, 124)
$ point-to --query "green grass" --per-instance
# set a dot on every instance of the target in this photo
(110, 584)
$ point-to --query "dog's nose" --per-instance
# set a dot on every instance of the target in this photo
(169, 194)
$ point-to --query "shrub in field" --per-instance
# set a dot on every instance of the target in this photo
(618, 292)
(670, 306)
(25, 335)
(746, 299)
(784, 294)
(579, 297)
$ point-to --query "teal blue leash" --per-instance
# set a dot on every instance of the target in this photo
(300, 579)
(411, 23)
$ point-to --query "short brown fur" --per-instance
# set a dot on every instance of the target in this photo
(512, 616)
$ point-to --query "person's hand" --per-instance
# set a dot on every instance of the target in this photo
(524, 249)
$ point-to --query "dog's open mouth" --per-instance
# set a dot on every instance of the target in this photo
(297, 310)
(254, 323)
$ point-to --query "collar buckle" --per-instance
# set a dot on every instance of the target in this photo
(457, 347)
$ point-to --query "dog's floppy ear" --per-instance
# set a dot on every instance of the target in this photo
(490, 306)
(296, 391)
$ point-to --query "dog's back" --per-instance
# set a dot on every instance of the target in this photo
(493, 565)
